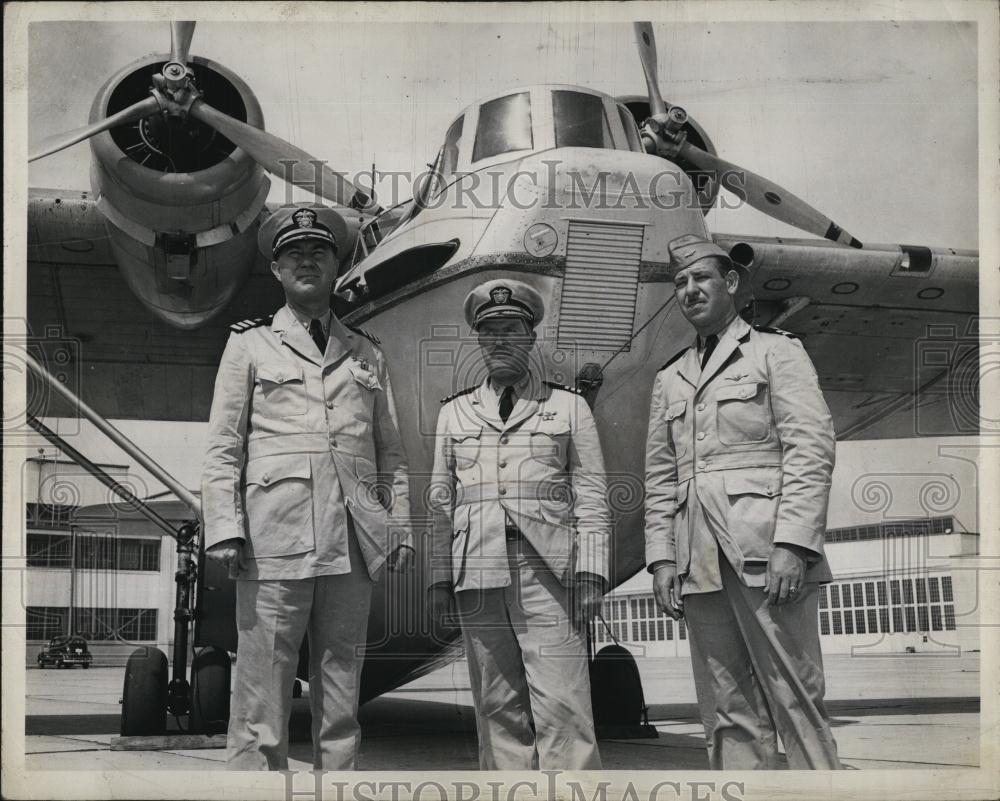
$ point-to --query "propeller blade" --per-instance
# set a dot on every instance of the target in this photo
(181, 34)
(279, 157)
(647, 53)
(767, 196)
(144, 108)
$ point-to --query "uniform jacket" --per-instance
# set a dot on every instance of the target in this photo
(297, 440)
(542, 469)
(753, 429)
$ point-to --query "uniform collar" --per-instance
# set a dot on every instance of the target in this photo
(293, 328)
(729, 340)
(531, 386)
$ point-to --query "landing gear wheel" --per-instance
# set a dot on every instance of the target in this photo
(210, 671)
(144, 699)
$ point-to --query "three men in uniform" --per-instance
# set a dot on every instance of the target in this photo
(303, 436)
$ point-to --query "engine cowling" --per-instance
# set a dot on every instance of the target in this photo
(182, 204)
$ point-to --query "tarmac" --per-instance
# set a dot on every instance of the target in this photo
(888, 712)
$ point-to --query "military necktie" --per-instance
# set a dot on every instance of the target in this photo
(710, 342)
(506, 403)
(316, 332)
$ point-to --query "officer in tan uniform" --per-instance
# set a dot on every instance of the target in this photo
(305, 497)
(523, 563)
(738, 468)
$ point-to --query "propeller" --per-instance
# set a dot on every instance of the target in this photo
(54, 144)
(175, 94)
(663, 133)
(646, 43)
(181, 34)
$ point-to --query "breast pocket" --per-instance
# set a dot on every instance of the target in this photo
(743, 413)
(282, 389)
(677, 418)
(279, 505)
(550, 446)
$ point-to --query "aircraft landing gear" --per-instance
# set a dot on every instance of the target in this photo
(210, 673)
(144, 700)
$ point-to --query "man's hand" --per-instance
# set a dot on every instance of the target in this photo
(442, 601)
(667, 590)
(401, 560)
(786, 572)
(588, 598)
(227, 553)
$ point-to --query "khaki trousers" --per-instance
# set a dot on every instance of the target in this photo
(271, 619)
(528, 671)
(758, 668)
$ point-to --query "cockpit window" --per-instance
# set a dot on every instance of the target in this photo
(580, 120)
(449, 162)
(504, 125)
(631, 130)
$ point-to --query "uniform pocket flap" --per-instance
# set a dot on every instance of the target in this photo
(754, 483)
(676, 409)
(266, 470)
(279, 373)
(466, 434)
(738, 391)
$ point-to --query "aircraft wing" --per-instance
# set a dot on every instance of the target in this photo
(893, 330)
(123, 360)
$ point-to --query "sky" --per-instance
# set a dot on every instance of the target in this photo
(874, 123)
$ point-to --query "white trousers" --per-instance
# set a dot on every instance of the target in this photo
(271, 619)
(528, 671)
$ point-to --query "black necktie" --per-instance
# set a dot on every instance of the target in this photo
(506, 403)
(316, 332)
(710, 342)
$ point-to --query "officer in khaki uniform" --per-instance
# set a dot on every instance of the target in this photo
(305, 497)
(520, 541)
(739, 461)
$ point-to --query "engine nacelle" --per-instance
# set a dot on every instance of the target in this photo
(182, 203)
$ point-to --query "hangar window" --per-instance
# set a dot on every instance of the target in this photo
(45, 622)
(504, 126)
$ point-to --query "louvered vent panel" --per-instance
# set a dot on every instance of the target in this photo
(602, 277)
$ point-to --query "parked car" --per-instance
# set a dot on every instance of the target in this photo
(65, 651)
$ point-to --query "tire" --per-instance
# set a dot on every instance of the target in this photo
(144, 698)
(210, 674)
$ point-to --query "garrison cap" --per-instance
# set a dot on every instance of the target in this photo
(690, 248)
(300, 221)
(504, 298)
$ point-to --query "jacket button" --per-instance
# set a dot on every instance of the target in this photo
(265, 478)
(503, 464)
(701, 435)
(701, 465)
(504, 439)
(503, 490)
(700, 407)
(279, 377)
(329, 404)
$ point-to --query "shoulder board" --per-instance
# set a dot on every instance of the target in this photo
(566, 387)
(460, 393)
(673, 358)
(367, 335)
(768, 330)
(246, 325)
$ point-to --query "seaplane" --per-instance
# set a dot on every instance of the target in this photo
(148, 267)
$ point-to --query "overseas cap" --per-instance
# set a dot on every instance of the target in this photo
(301, 221)
(504, 298)
(690, 248)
